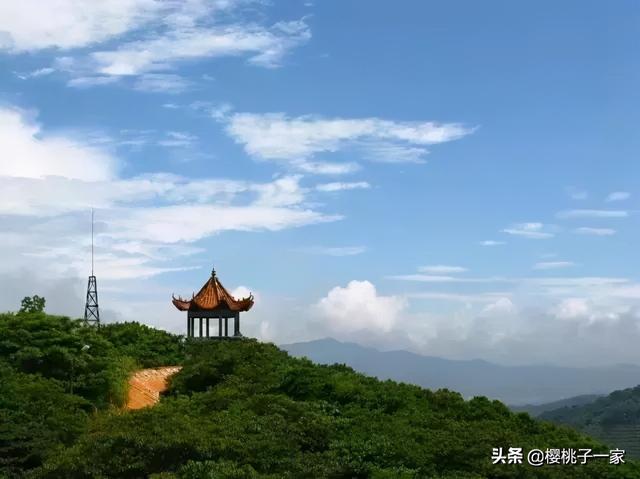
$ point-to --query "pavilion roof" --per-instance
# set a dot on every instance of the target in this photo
(211, 297)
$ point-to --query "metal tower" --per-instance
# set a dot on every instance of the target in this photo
(91, 311)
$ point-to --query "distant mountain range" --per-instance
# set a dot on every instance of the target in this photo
(515, 385)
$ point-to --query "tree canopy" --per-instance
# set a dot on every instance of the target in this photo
(32, 304)
(242, 409)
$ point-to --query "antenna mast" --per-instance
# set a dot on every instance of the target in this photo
(91, 311)
(91, 241)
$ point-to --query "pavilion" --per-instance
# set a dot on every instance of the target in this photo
(213, 301)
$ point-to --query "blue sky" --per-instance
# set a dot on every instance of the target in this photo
(457, 178)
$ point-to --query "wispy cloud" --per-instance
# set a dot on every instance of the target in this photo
(276, 136)
(147, 38)
(618, 196)
(433, 278)
(264, 46)
(544, 265)
(442, 269)
(586, 230)
(394, 153)
(531, 230)
(336, 250)
(160, 83)
(326, 167)
(31, 25)
(45, 196)
(341, 186)
(492, 243)
(91, 81)
(488, 297)
(40, 72)
(583, 213)
(178, 139)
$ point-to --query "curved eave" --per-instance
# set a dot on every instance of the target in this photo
(181, 305)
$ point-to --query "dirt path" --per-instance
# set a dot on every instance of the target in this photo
(146, 385)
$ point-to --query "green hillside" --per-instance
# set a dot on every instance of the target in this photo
(241, 409)
(614, 419)
(537, 409)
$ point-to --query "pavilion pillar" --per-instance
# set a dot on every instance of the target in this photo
(219, 327)
(226, 327)
(207, 327)
(236, 324)
(188, 326)
(200, 328)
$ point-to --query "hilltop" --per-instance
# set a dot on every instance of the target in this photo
(241, 409)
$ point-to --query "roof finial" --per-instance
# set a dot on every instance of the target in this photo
(213, 272)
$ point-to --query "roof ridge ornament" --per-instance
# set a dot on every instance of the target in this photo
(213, 272)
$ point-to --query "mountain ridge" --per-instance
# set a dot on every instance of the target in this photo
(475, 377)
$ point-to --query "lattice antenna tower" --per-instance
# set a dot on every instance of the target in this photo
(91, 311)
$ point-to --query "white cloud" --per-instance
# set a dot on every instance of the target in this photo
(585, 230)
(502, 306)
(618, 196)
(285, 191)
(32, 24)
(529, 230)
(171, 224)
(587, 310)
(243, 292)
(264, 46)
(492, 243)
(593, 214)
(159, 34)
(358, 306)
(144, 222)
(40, 72)
(275, 136)
(572, 308)
(553, 265)
(341, 186)
(30, 153)
(442, 269)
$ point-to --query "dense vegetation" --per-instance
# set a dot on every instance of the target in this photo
(55, 373)
(614, 418)
(619, 407)
(240, 409)
(536, 410)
